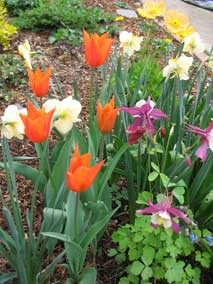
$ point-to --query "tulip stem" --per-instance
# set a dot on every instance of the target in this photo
(101, 148)
(91, 95)
(76, 229)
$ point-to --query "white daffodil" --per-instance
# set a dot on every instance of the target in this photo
(129, 42)
(66, 113)
(24, 51)
(12, 125)
(161, 218)
(178, 67)
(210, 62)
(193, 44)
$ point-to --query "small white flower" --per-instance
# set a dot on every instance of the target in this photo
(24, 51)
(143, 102)
(66, 113)
(193, 44)
(129, 42)
(178, 67)
(161, 218)
(210, 139)
(12, 125)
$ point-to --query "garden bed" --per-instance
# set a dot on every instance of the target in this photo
(69, 67)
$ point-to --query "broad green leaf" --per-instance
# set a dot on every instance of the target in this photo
(112, 164)
(147, 273)
(136, 267)
(165, 180)
(152, 176)
(64, 238)
(155, 167)
(58, 174)
(30, 173)
(7, 277)
(179, 194)
(43, 276)
(148, 255)
(88, 276)
(95, 229)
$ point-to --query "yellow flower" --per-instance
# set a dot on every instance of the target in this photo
(152, 9)
(24, 51)
(178, 67)
(119, 18)
(167, 40)
(177, 23)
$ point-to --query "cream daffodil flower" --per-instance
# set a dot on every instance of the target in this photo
(129, 42)
(193, 44)
(12, 125)
(66, 113)
(178, 67)
(24, 51)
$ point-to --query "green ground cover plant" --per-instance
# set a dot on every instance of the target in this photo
(156, 255)
(142, 149)
(65, 18)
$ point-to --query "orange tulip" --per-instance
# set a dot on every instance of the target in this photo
(97, 48)
(39, 81)
(80, 175)
(37, 123)
(106, 116)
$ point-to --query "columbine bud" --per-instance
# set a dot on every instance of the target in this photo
(163, 131)
(188, 161)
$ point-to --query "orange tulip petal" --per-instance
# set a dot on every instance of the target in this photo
(97, 48)
(80, 175)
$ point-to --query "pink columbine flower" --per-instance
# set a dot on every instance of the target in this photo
(144, 115)
(206, 137)
(163, 214)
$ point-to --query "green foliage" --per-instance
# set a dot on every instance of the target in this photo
(66, 18)
(153, 77)
(16, 6)
(6, 30)
(12, 73)
(159, 254)
(12, 70)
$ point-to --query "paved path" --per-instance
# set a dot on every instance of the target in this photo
(200, 18)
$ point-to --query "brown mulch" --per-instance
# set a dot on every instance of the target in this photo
(69, 66)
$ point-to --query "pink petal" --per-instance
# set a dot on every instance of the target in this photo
(131, 110)
(196, 130)
(202, 150)
(175, 227)
(157, 113)
(179, 214)
(210, 127)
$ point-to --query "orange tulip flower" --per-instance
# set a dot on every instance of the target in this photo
(97, 48)
(106, 116)
(37, 123)
(39, 81)
(80, 175)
